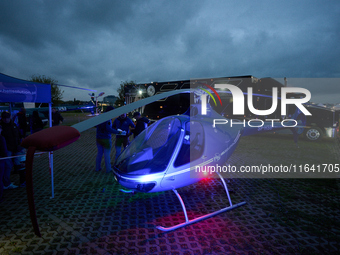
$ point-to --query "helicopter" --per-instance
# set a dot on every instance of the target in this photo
(163, 157)
(176, 151)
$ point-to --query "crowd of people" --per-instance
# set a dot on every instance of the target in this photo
(123, 127)
(12, 156)
(14, 130)
(10, 137)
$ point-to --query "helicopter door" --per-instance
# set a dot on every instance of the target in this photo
(192, 145)
(190, 154)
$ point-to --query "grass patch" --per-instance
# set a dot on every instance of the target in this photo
(142, 196)
(285, 209)
(17, 249)
(278, 149)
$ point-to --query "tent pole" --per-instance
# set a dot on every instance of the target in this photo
(51, 172)
(10, 109)
(50, 154)
(50, 114)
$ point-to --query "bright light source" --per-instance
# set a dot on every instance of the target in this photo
(140, 92)
(146, 178)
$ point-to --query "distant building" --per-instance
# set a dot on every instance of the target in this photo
(110, 99)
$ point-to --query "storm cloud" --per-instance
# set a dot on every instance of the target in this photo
(99, 44)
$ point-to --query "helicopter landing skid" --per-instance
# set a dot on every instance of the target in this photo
(188, 222)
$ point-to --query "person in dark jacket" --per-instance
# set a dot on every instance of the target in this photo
(22, 122)
(36, 122)
(56, 117)
(122, 123)
(11, 133)
(141, 123)
(104, 143)
(3, 154)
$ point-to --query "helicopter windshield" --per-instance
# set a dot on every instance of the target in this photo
(151, 151)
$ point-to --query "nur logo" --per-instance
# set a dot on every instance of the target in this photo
(238, 99)
(204, 98)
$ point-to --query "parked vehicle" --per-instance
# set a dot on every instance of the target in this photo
(324, 122)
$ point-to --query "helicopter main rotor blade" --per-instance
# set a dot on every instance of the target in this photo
(87, 124)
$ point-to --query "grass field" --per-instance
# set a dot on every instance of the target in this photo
(280, 148)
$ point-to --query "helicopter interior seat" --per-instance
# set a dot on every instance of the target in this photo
(196, 143)
(196, 148)
(196, 131)
(184, 153)
(193, 144)
(190, 150)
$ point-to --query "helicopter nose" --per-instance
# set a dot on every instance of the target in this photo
(138, 184)
(145, 187)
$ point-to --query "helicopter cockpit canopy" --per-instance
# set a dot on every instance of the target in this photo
(150, 152)
(192, 146)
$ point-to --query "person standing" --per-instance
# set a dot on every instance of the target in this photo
(3, 154)
(123, 123)
(22, 122)
(11, 133)
(104, 143)
(141, 123)
(36, 122)
(56, 118)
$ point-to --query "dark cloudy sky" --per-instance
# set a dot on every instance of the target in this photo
(98, 44)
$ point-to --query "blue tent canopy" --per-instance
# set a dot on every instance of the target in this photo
(17, 90)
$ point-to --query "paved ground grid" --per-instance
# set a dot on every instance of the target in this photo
(90, 216)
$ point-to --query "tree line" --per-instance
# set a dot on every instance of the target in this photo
(57, 92)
